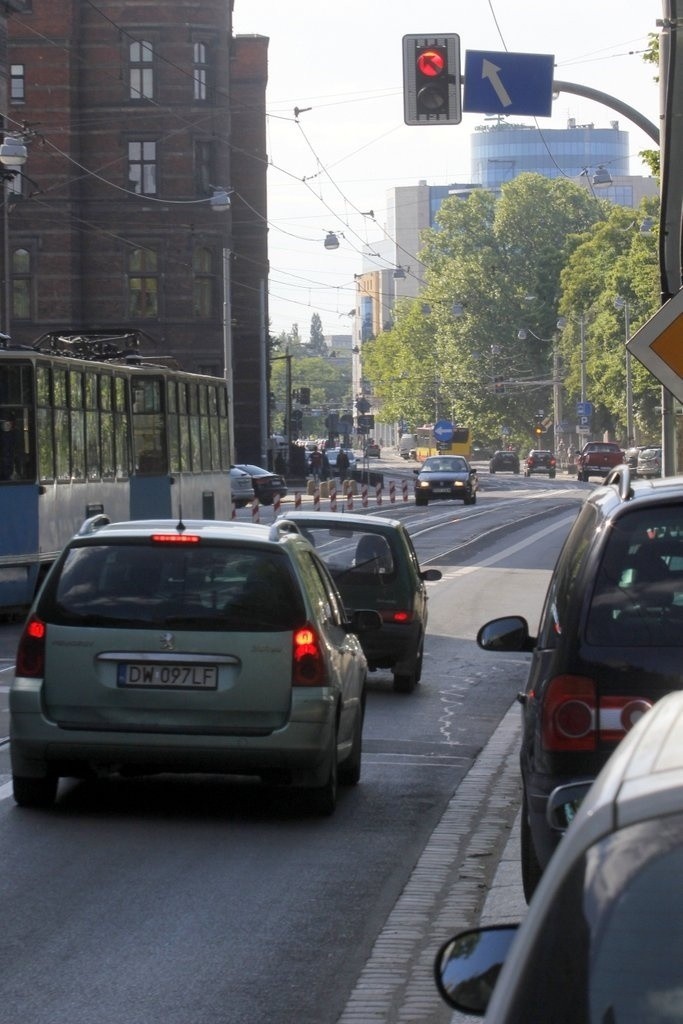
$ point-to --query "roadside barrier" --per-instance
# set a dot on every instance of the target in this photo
(392, 492)
(297, 499)
(255, 511)
(349, 500)
(364, 495)
(405, 490)
(378, 492)
(277, 501)
(333, 498)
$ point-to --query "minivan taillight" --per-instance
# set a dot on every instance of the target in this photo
(31, 650)
(574, 719)
(308, 664)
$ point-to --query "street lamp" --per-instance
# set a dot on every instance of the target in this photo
(622, 303)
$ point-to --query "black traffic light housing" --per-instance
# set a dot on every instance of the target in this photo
(305, 396)
(431, 79)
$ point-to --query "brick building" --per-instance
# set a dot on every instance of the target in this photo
(134, 112)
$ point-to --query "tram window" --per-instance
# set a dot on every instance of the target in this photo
(76, 425)
(173, 426)
(149, 438)
(121, 429)
(107, 464)
(60, 425)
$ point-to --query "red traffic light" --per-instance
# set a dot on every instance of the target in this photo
(431, 79)
(431, 63)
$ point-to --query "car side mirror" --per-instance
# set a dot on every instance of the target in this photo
(467, 966)
(510, 633)
(563, 804)
(431, 575)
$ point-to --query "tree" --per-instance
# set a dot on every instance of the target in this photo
(493, 270)
(316, 344)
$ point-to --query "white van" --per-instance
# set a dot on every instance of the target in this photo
(407, 446)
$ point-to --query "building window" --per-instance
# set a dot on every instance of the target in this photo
(203, 164)
(22, 284)
(200, 71)
(143, 284)
(17, 88)
(142, 167)
(141, 59)
(202, 267)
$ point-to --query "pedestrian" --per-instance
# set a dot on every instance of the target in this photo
(316, 464)
(342, 464)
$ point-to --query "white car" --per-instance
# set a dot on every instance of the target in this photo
(195, 646)
(602, 940)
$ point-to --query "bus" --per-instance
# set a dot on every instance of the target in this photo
(90, 425)
(460, 444)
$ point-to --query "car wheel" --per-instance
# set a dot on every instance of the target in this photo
(405, 682)
(349, 770)
(31, 792)
(531, 868)
(420, 502)
(492, 472)
(552, 474)
(322, 800)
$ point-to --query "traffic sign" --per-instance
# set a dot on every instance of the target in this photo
(431, 79)
(443, 431)
(584, 409)
(508, 83)
(658, 345)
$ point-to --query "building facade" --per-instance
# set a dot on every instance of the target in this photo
(129, 110)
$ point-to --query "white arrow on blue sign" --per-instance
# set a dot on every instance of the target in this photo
(508, 83)
(443, 431)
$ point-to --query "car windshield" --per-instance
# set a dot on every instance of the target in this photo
(444, 465)
(203, 586)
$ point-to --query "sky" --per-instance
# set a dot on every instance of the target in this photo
(340, 64)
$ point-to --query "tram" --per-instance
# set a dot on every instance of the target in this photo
(88, 424)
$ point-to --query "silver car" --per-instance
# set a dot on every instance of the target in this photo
(241, 487)
(189, 647)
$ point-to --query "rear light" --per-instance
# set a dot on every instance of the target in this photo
(31, 650)
(308, 664)
(175, 538)
(392, 615)
(573, 719)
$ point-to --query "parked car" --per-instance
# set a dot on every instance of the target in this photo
(443, 477)
(504, 462)
(374, 564)
(598, 458)
(333, 454)
(650, 462)
(241, 487)
(194, 646)
(631, 456)
(265, 483)
(608, 645)
(372, 450)
(540, 460)
(602, 939)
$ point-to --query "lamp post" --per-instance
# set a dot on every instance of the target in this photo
(622, 303)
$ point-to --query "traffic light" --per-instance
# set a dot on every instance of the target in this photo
(431, 79)
(538, 429)
(305, 396)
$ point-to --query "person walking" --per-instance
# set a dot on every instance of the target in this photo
(342, 465)
(316, 464)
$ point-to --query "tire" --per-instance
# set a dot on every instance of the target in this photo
(322, 800)
(31, 792)
(422, 503)
(349, 770)
(531, 868)
(552, 475)
(492, 472)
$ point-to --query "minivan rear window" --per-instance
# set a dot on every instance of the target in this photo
(186, 586)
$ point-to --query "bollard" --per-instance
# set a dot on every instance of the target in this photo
(405, 490)
(349, 500)
(255, 511)
(364, 495)
(333, 498)
(277, 501)
(234, 510)
(297, 499)
(316, 500)
(392, 492)
(378, 492)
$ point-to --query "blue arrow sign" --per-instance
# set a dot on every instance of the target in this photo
(508, 83)
(443, 431)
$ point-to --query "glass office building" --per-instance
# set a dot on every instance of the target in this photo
(502, 151)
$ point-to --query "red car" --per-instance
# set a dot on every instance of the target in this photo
(540, 461)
